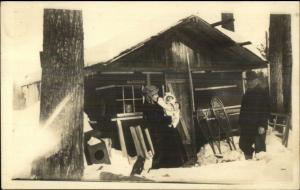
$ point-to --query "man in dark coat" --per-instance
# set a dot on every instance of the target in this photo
(254, 115)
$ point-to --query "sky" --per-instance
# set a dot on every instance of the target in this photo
(111, 27)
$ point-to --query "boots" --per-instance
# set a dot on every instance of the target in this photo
(138, 166)
(248, 157)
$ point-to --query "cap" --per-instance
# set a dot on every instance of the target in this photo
(150, 90)
(168, 94)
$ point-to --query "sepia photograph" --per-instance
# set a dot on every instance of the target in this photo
(150, 95)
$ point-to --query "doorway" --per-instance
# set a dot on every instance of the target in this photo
(179, 86)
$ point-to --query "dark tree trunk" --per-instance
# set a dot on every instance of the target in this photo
(280, 61)
(62, 90)
(287, 64)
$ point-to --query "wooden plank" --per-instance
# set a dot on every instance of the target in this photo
(133, 98)
(178, 80)
(233, 114)
(127, 118)
(280, 125)
(105, 87)
(226, 108)
(227, 71)
(148, 79)
(216, 87)
(116, 72)
(123, 97)
(119, 100)
(185, 130)
(142, 141)
(286, 133)
(222, 22)
(232, 107)
(191, 85)
(201, 71)
(149, 140)
(121, 138)
(170, 88)
(136, 142)
(198, 72)
(113, 86)
(244, 43)
(163, 90)
(152, 72)
(279, 114)
(244, 82)
(129, 114)
(275, 122)
(233, 110)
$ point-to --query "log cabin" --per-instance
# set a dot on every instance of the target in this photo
(192, 59)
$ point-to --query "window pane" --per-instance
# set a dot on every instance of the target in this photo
(128, 92)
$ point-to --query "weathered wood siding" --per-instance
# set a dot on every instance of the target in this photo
(170, 55)
(181, 51)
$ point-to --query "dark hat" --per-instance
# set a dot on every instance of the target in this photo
(251, 75)
(150, 90)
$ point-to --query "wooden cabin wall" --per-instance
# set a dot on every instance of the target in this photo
(170, 54)
(181, 54)
(197, 58)
(98, 105)
(102, 91)
(153, 55)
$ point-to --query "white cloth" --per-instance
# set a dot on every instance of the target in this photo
(171, 108)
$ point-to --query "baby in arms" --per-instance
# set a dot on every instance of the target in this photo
(171, 108)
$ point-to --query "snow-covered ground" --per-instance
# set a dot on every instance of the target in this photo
(29, 140)
(275, 165)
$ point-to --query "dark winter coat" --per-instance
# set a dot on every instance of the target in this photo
(255, 110)
(168, 147)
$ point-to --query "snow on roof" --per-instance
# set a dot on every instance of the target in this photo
(237, 37)
(216, 35)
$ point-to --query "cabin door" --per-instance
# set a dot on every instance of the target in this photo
(180, 88)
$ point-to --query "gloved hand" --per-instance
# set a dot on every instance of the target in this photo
(261, 130)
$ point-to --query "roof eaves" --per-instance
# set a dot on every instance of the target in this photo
(184, 20)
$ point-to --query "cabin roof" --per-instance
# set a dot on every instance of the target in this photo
(201, 32)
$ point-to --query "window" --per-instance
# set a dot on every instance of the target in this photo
(129, 98)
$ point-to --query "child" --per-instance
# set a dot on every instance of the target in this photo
(171, 108)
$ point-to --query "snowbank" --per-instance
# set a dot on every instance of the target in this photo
(30, 141)
(273, 166)
(232, 168)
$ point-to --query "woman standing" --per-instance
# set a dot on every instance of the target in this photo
(168, 147)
